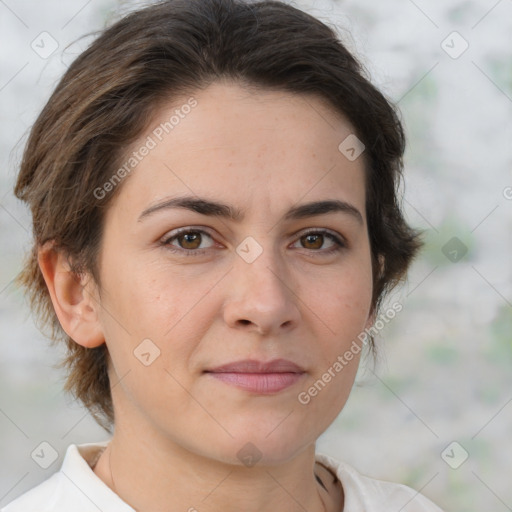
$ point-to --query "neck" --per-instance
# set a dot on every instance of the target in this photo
(162, 476)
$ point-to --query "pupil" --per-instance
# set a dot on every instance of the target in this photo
(190, 238)
(315, 240)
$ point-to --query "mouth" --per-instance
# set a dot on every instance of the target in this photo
(259, 377)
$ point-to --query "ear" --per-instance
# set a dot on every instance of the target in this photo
(75, 298)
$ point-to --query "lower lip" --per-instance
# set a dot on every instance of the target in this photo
(261, 383)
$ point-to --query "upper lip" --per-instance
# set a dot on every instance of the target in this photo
(255, 366)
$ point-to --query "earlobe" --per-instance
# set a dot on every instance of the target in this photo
(73, 297)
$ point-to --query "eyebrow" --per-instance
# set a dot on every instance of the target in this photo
(216, 209)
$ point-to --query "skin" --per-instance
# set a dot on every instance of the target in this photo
(178, 430)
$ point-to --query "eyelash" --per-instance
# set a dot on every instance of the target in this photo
(339, 243)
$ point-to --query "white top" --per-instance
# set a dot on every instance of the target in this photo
(75, 487)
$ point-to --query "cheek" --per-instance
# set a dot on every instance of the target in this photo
(144, 298)
(343, 303)
(155, 303)
(343, 309)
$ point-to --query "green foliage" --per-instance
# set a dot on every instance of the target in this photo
(441, 353)
(499, 349)
(436, 250)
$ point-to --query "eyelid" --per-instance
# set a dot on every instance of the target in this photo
(324, 231)
(186, 229)
(339, 240)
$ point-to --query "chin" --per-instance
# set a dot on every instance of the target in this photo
(266, 449)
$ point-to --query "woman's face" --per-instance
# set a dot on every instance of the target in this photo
(188, 289)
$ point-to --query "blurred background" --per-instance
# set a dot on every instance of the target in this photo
(435, 410)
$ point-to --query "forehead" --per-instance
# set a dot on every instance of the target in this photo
(259, 149)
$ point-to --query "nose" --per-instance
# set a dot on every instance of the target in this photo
(261, 296)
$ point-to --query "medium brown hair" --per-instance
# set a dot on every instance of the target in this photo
(110, 93)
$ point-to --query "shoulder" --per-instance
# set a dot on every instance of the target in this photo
(364, 493)
(74, 487)
(41, 497)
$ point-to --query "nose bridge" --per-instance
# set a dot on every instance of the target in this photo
(261, 287)
(260, 265)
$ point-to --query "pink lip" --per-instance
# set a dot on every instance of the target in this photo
(254, 366)
(259, 377)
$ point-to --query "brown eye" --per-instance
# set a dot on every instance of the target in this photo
(312, 241)
(188, 241)
(315, 242)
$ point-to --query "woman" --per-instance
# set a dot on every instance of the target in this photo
(212, 185)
